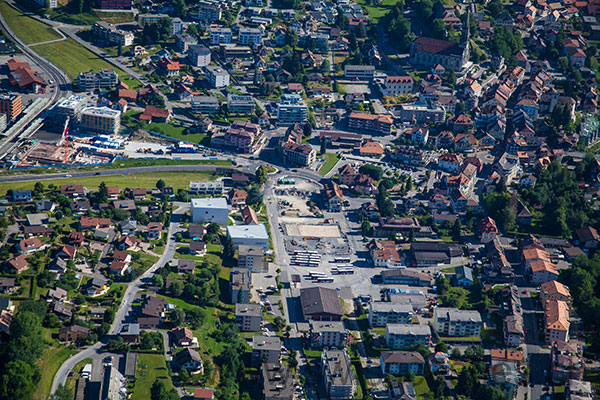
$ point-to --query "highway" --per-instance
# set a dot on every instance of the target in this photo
(121, 315)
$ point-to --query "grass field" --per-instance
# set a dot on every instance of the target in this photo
(73, 58)
(176, 132)
(376, 12)
(330, 160)
(179, 180)
(150, 367)
(26, 28)
(421, 386)
(49, 363)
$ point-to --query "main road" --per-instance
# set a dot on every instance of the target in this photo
(121, 315)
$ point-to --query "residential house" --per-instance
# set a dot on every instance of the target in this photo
(189, 360)
(248, 317)
(400, 363)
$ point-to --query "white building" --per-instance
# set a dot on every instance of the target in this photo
(249, 36)
(72, 107)
(292, 109)
(220, 36)
(217, 77)
(206, 187)
(457, 323)
(210, 210)
(199, 55)
(240, 104)
(249, 235)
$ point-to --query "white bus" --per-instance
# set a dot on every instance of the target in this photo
(325, 279)
(345, 271)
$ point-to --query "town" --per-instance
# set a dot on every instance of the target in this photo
(299, 200)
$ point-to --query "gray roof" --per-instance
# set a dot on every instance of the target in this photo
(380, 306)
(250, 310)
(464, 272)
(454, 314)
(402, 357)
(337, 367)
(130, 329)
(327, 326)
(319, 300)
(266, 343)
(408, 329)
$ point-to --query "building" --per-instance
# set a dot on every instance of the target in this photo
(199, 55)
(240, 104)
(487, 229)
(205, 104)
(189, 360)
(266, 349)
(370, 123)
(217, 77)
(101, 120)
(421, 113)
(114, 4)
(73, 333)
(328, 334)
(106, 78)
(49, 4)
(207, 12)
(383, 313)
(321, 304)
(241, 137)
(554, 290)
(338, 376)
(359, 72)
(10, 105)
(210, 210)
(291, 109)
(240, 281)
(130, 333)
(579, 390)
(406, 277)
(334, 198)
(248, 317)
(24, 77)
(249, 235)
(406, 336)
(148, 19)
(252, 258)
(428, 52)
(183, 41)
(400, 363)
(566, 361)
(203, 394)
(453, 322)
(113, 384)
(277, 382)
(250, 36)
(556, 321)
(206, 188)
(301, 155)
(220, 36)
(398, 85)
(110, 34)
(182, 336)
(72, 107)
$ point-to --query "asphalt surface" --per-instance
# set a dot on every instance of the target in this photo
(121, 315)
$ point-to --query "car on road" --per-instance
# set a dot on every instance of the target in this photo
(108, 361)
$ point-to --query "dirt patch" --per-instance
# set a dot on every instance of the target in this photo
(320, 231)
(143, 136)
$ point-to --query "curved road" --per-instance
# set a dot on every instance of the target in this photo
(120, 316)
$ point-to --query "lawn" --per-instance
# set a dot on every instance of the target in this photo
(421, 386)
(330, 160)
(150, 367)
(176, 132)
(26, 28)
(177, 179)
(49, 363)
(376, 12)
(73, 58)
(72, 381)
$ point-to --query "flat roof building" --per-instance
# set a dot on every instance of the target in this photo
(210, 210)
(249, 235)
(101, 120)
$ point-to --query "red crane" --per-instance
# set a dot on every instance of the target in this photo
(64, 140)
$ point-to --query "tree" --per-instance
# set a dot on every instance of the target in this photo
(38, 189)
(441, 346)
(366, 228)
(373, 171)
(438, 28)
(361, 32)
(485, 392)
(467, 380)
(387, 209)
(291, 38)
(455, 353)
(117, 345)
(157, 280)
(325, 66)
(323, 149)
(160, 184)
(180, 9)
(102, 194)
(254, 196)
(261, 174)
(177, 316)
(456, 231)
(62, 393)
(278, 323)
(158, 391)
(307, 129)
(176, 288)
(18, 380)
(228, 249)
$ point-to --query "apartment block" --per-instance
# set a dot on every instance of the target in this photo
(328, 334)
(101, 120)
(217, 77)
(111, 34)
(106, 78)
(406, 336)
(292, 109)
(338, 376)
(240, 104)
(220, 36)
(372, 123)
(383, 313)
(10, 104)
(457, 323)
(248, 317)
(205, 104)
(199, 55)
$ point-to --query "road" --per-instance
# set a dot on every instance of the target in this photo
(61, 80)
(121, 315)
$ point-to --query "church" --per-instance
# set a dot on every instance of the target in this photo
(428, 52)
